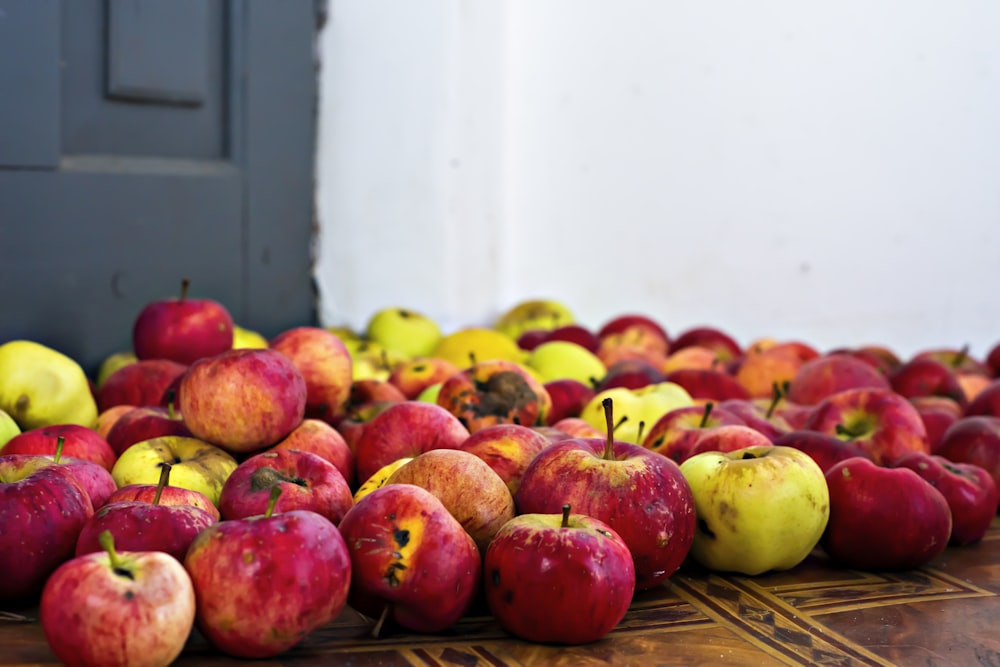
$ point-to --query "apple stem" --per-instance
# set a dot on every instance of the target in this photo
(60, 443)
(704, 415)
(778, 392)
(272, 500)
(384, 358)
(171, 397)
(565, 513)
(594, 382)
(609, 447)
(380, 622)
(107, 542)
(164, 480)
(185, 284)
(638, 431)
(961, 356)
(472, 358)
(842, 430)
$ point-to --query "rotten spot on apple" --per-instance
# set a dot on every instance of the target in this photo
(502, 393)
(266, 478)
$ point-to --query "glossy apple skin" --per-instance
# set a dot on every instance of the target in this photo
(142, 423)
(92, 615)
(758, 372)
(630, 374)
(79, 442)
(880, 421)
(832, 373)
(976, 440)
(755, 414)
(725, 346)
(318, 437)
(709, 385)
(406, 429)
(325, 365)
(675, 433)
(727, 438)
(182, 330)
(642, 495)
(883, 518)
(139, 383)
(825, 449)
(987, 402)
(217, 393)
(410, 554)
(970, 491)
(619, 323)
(568, 398)
(141, 526)
(170, 495)
(413, 376)
(449, 474)
(264, 583)
(42, 510)
(545, 582)
(495, 391)
(927, 377)
(307, 481)
(507, 449)
(94, 479)
(574, 333)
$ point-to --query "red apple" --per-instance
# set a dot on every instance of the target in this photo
(575, 427)
(182, 330)
(880, 421)
(530, 339)
(574, 333)
(956, 358)
(635, 341)
(987, 402)
(975, 440)
(621, 322)
(78, 442)
(372, 390)
(568, 398)
(495, 391)
(307, 482)
(631, 374)
(140, 383)
(970, 491)
(168, 495)
(118, 608)
(725, 346)
(883, 518)
(728, 438)
(759, 372)
(563, 579)
(829, 374)
(507, 449)
(412, 563)
(415, 375)
(218, 393)
(95, 480)
(758, 414)
(938, 414)
(993, 360)
(825, 449)
(318, 437)
(927, 377)
(709, 385)
(326, 366)
(676, 432)
(641, 494)
(143, 423)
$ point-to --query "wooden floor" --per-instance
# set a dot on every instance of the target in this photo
(947, 613)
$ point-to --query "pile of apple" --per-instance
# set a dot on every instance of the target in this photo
(536, 470)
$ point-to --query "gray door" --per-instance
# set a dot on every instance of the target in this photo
(144, 141)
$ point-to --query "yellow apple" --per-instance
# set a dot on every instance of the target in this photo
(533, 314)
(644, 405)
(474, 344)
(403, 330)
(380, 477)
(40, 386)
(195, 464)
(558, 359)
(246, 338)
(8, 428)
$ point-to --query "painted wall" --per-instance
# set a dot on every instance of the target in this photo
(828, 172)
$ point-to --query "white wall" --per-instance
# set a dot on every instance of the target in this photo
(822, 171)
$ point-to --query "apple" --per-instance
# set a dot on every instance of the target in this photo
(118, 608)
(759, 372)
(42, 510)
(412, 562)
(507, 449)
(40, 386)
(637, 409)
(353, 425)
(759, 509)
(318, 437)
(417, 374)
(468, 345)
(709, 385)
(692, 357)
(371, 360)
(725, 346)
(880, 421)
(969, 489)
(307, 482)
(631, 374)
(306, 572)
(380, 478)
(759, 414)
(495, 392)
(558, 579)
(675, 433)
(196, 464)
(325, 365)
(529, 340)
(571, 333)
(106, 419)
(974, 439)
(247, 338)
(883, 518)
(166, 495)
(823, 448)
(558, 359)
(371, 390)
(641, 494)
(938, 414)
(619, 323)
(972, 384)
(957, 358)
(568, 397)
(576, 427)
(182, 329)
(78, 442)
(140, 383)
(727, 438)
(987, 402)
(466, 485)
(633, 342)
(406, 430)
(927, 377)
(8, 428)
(218, 393)
(545, 314)
(831, 373)
(993, 360)
(143, 423)
(93, 478)
(111, 363)
(405, 330)
(880, 359)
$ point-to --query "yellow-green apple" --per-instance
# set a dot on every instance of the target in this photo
(675, 433)
(142, 423)
(42, 509)
(469, 489)
(196, 464)
(112, 363)
(495, 392)
(8, 428)
(708, 385)
(987, 402)
(558, 359)
(406, 430)
(414, 375)
(635, 408)
(107, 418)
(927, 377)
(568, 398)
(265, 582)
(412, 563)
(883, 518)
(825, 449)
(759, 414)
(725, 346)
(380, 478)
(318, 437)
(507, 449)
(146, 526)
(619, 323)
(246, 338)
(371, 360)
(218, 394)
(641, 494)
(759, 509)
(468, 345)
(558, 579)
(405, 330)
(938, 414)
(974, 439)
(78, 442)
(758, 372)
(182, 329)
(307, 482)
(831, 373)
(40, 386)
(325, 365)
(970, 491)
(532, 314)
(118, 608)
(141, 383)
(880, 421)
(631, 374)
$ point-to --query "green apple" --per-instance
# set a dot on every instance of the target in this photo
(40, 386)
(634, 407)
(470, 345)
(111, 363)
(430, 394)
(758, 508)
(371, 360)
(195, 464)
(406, 331)
(8, 428)
(533, 314)
(559, 359)
(247, 338)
